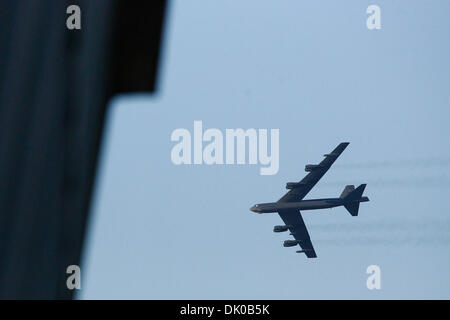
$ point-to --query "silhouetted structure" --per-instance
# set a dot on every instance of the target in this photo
(54, 87)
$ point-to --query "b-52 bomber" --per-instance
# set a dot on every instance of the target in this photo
(290, 205)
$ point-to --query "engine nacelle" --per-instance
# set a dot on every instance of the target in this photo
(292, 185)
(290, 243)
(280, 228)
(312, 167)
(331, 154)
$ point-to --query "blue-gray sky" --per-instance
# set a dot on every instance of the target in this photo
(313, 70)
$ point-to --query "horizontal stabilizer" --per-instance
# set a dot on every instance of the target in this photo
(348, 189)
(353, 208)
(353, 198)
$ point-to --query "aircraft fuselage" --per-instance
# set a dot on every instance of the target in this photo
(302, 205)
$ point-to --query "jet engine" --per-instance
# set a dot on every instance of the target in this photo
(280, 228)
(290, 243)
(331, 154)
(292, 185)
(312, 167)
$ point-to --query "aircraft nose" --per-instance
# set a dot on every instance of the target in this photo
(253, 209)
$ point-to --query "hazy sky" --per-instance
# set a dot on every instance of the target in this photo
(314, 71)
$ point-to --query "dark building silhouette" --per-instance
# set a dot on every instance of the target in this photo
(54, 87)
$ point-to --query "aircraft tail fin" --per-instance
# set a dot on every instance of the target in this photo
(353, 208)
(353, 197)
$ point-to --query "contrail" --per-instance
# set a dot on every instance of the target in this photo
(398, 225)
(365, 241)
(420, 162)
(409, 233)
(416, 182)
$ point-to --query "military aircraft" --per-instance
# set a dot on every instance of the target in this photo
(290, 205)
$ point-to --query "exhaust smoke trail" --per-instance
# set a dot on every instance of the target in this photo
(418, 182)
(406, 163)
(408, 233)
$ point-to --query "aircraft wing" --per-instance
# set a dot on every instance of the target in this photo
(310, 180)
(293, 219)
